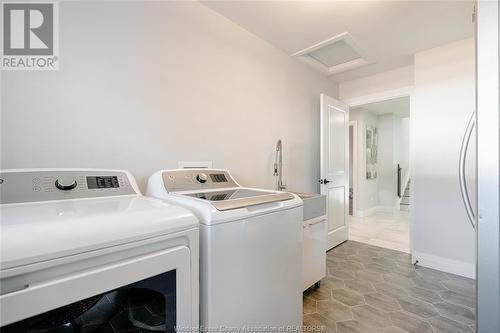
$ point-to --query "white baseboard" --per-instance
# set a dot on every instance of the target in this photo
(447, 265)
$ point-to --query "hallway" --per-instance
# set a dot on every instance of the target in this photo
(387, 230)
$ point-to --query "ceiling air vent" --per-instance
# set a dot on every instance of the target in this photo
(334, 55)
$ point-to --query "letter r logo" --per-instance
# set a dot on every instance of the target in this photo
(28, 29)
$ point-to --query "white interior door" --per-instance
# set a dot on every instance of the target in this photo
(334, 171)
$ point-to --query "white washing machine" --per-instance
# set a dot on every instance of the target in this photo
(84, 251)
(250, 249)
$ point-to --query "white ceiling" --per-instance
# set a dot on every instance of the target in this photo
(399, 106)
(389, 32)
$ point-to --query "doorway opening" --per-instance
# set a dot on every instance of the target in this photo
(379, 177)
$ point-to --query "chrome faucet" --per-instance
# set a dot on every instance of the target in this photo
(278, 167)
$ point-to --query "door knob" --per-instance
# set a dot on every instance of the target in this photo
(324, 181)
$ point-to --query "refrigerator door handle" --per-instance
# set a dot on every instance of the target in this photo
(461, 169)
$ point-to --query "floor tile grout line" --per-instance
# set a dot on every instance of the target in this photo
(456, 304)
(456, 321)
(398, 266)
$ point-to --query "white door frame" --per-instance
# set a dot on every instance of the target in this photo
(380, 96)
(354, 157)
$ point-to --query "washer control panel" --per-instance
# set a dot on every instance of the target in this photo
(45, 185)
(196, 179)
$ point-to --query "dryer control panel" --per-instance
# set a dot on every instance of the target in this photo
(197, 179)
(18, 186)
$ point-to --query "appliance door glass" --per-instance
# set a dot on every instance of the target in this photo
(228, 194)
(153, 304)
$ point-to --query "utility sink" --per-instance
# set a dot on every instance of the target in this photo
(314, 204)
(305, 195)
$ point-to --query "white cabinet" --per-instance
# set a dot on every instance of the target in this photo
(314, 251)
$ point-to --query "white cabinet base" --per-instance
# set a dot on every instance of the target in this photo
(314, 251)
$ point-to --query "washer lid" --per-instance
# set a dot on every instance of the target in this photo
(35, 232)
(240, 197)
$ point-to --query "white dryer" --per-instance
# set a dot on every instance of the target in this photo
(84, 251)
(250, 249)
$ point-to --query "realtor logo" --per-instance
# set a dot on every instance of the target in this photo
(30, 36)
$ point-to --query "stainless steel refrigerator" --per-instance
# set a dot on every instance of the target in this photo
(488, 138)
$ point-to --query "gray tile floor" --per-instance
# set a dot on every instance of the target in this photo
(373, 289)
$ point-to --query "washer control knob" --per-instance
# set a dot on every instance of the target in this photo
(65, 183)
(202, 177)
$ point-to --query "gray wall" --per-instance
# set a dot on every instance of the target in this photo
(367, 196)
(402, 145)
(386, 165)
(142, 86)
(394, 149)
